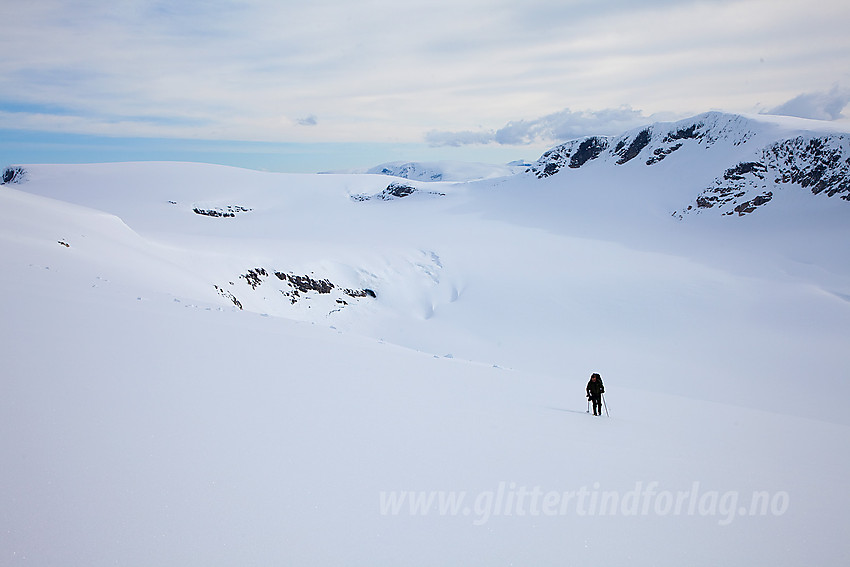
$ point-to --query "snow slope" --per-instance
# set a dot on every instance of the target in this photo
(169, 399)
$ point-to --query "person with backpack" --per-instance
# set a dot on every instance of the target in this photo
(595, 389)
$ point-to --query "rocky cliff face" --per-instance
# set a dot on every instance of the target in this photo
(820, 164)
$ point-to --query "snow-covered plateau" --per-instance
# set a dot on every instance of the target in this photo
(204, 365)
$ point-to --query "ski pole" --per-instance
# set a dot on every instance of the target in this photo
(588, 406)
(605, 405)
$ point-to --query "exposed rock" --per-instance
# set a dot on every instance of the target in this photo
(393, 191)
(740, 171)
(222, 212)
(299, 287)
(396, 191)
(660, 153)
(253, 277)
(634, 148)
(13, 174)
(224, 293)
(753, 204)
(691, 132)
(572, 154)
(588, 149)
(820, 163)
(304, 284)
(360, 293)
(732, 188)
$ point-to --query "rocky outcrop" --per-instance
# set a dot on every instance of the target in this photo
(254, 277)
(394, 191)
(297, 287)
(13, 174)
(587, 150)
(304, 284)
(229, 295)
(229, 211)
(630, 149)
(820, 164)
(735, 184)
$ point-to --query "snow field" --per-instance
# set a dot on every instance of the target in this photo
(145, 419)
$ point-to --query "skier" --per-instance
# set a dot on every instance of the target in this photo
(595, 389)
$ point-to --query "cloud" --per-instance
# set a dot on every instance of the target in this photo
(308, 121)
(379, 71)
(559, 126)
(463, 138)
(816, 105)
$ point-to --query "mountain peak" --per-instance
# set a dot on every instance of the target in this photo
(751, 157)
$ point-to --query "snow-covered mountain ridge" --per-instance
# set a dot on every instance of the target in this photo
(752, 158)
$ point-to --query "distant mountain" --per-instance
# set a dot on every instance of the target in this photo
(744, 160)
(446, 170)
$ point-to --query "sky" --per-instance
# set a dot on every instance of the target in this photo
(328, 84)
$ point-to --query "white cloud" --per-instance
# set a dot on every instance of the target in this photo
(816, 105)
(559, 126)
